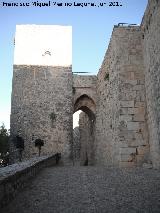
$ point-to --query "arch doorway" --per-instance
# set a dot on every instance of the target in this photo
(84, 133)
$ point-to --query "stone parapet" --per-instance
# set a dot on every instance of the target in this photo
(16, 176)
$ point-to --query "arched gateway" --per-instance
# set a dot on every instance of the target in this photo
(121, 102)
(86, 129)
(45, 92)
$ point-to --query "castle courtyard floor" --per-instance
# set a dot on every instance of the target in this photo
(90, 190)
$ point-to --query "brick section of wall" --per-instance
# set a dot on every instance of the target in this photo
(39, 91)
(151, 43)
(16, 176)
(121, 128)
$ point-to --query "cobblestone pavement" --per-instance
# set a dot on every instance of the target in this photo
(90, 190)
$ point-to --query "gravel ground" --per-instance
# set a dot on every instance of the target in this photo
(90, 190)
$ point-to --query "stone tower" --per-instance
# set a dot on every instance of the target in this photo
(42, 88)
(122, 102)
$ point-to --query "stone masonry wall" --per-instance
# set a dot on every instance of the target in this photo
(86, 128)
(16, 176)
(39, 91)
(121, 129)
(123, 100)
(83, 84)
(151, 45)
(76, 144)
(42, 88)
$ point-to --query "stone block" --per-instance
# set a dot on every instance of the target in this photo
(127, 164)
(123, 144)
(139, 160)
(132, 82)
(123, 111)
(122, 126)
(147, 166)
(142, 150)
(133, 125)
(139, 75)
(127, 151)
(132, 75)
(125, 118)
(136, 142)
(132, 111)
(126, 95)
(127, 134)
(139, 104)
(138, 87)
(139, 117)
(127, 76)
(136, 110)
(128, 158)
(127, 104)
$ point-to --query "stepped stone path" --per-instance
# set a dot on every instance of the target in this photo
(90, 190)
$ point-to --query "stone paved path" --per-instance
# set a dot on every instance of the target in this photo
(90, 190)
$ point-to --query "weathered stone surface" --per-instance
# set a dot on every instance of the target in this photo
(121, 109)
(125, 118)
(15, 177)
(87, 137)
(90, 189)
(128, 158)
(127, 164)
(127, 151)
(122, 102)
(151, 49)
(133, 125)
(84, 85)
(127, 103)
(42, 93)
(38, 98)
(142, 150)
(147, 166)
(139, 117)
(76, 145)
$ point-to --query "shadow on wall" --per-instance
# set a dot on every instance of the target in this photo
(83, 136)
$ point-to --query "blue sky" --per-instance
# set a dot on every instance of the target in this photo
(92, 28)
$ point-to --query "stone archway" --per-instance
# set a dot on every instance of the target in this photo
(86, 128)
(86, 104)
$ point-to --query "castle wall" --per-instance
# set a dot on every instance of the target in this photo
(86, 129)
(42, 94)
(76, 144)
(122, 101)
(121, 130)
(84, 84)
(151, 43)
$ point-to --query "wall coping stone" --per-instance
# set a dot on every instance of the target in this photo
(16, 176)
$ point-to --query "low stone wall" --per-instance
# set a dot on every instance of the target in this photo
(16, 176)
